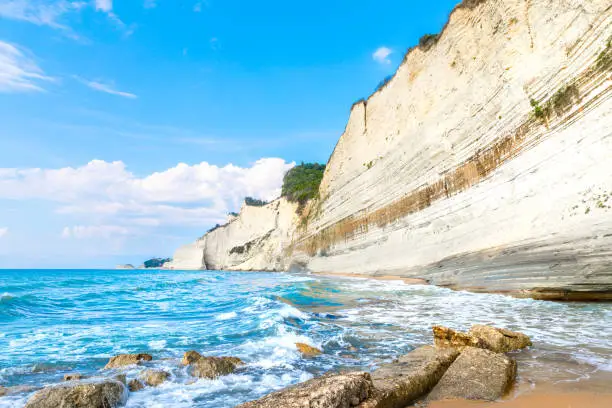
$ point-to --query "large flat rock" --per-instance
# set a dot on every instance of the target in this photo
(105, 394)
(330, 391)
(476, 374)
(410, 377)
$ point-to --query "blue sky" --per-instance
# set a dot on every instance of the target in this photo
(130, 127)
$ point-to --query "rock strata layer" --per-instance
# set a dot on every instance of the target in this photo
(477, 374)
(330, 391)
(481, 336)
(410, 377)
(107, 394)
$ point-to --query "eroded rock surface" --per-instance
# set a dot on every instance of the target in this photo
(410, 377)
(73, 377)
(190, 357)
(330, 391)
(307, 351)
(500, 340)
(107, 394)
(476, 374)
(445, 337)
(135, 385)
(153, 378)
(122, 360)
(213, 367)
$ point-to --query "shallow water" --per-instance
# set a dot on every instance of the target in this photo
(55, 322)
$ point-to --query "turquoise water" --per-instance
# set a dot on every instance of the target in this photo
(55, 322)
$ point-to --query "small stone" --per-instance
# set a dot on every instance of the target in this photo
(153, 378)
(127, 359)
(213, 367)
(73, 377)
(190, 357)
(307, 351)
(135, 385)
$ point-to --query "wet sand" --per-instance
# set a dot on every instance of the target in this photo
(554, 400)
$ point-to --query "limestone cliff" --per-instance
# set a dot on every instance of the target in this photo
(485, 163)
(257, 239)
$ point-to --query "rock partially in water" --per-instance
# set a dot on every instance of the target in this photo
(122, 378)
(500, 340)
(307, 351)
(330, 391)
(107, 394)
(445, 337)
(135, 385)
(476, 374)
(214, 367)
(73, 377)
(127, 359)
(153, 378)
(190, 357)
(410, 377)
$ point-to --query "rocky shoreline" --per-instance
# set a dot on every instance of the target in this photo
(472, 365)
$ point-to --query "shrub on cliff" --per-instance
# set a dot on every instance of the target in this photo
(301, 183)
(156, 262)
(254, 202)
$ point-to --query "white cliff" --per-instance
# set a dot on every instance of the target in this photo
(257, 239)
(485, 163)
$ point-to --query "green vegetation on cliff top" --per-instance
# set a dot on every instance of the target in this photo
(301, 183)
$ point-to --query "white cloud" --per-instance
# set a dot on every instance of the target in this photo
(200, 194)
(150, 4)
(18, 71)
(3, 232)
(94, 231)
(39, 12)
(381, 55)
(104, 5)
(107, 88)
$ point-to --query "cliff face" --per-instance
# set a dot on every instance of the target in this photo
(485, 163)
(257, 239)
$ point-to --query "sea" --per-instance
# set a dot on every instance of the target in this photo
(54, 322)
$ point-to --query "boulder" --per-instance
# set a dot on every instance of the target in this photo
(153, 378)
(127, 359)
(410, 377)
(135, 385)
(500, 340)
(73, 377)
(476, 374)
(307, 351)
(329, 391)
(107, 394)
(190, 357)
(445, 337)
(213, 367)
(121, 378)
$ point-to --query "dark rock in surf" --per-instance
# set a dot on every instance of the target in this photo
(135, 385)
(153, 378)
(214, 367)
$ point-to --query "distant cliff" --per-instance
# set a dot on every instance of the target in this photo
(484, 163)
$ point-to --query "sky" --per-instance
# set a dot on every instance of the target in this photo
(128, 128)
